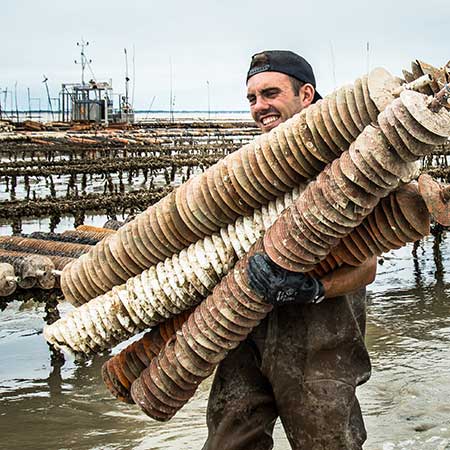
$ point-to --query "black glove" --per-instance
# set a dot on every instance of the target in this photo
(279, 286)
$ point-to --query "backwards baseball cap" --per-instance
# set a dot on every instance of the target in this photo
(286, 62)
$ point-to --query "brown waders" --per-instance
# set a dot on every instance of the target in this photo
(302, 364)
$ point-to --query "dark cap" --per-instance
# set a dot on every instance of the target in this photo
(286, 62)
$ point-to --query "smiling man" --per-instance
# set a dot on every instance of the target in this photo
(305, 359)
(279, 85)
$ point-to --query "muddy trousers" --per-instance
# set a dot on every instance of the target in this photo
(302, 364)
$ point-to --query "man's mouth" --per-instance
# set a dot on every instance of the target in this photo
(266, 121)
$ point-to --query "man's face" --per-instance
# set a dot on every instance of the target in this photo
(272, 99)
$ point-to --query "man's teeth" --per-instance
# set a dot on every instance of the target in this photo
(269, 120)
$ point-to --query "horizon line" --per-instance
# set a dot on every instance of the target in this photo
(34, 111)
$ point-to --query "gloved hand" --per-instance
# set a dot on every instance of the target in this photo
(279, 286)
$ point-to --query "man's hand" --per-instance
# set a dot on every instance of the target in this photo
(279, 286)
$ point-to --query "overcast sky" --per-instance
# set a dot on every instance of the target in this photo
(210, 41)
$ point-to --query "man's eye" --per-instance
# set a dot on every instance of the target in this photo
(271, 94)
(252, 100)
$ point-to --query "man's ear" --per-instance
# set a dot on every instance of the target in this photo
(307, 92)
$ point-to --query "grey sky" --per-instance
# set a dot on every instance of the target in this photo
(211, 41)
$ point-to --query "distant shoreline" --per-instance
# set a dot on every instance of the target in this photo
(147, 111)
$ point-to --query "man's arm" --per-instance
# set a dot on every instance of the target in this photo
(347, 279)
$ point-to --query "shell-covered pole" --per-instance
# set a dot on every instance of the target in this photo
(438, 76)
(31, 270)
(399, 218)
(346, 190)
(121, 370)
(164, 290)
(92, 235)
(73, 236)
(257, 173)
(93, 229)
(43, 247)
(8, 279)
(60, 262)
(227, 316)
(437, 199)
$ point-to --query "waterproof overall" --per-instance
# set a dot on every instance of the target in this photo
(302, 364)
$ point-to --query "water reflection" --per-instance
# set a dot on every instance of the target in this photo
(408, 337)
(46, 403)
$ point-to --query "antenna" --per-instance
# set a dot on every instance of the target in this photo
(15, 101)
(83, 59)
(127, 79)
(172, 100)
(1, 105)
(368, 56)
(29, 103)
(333, 64)
(173, 108)
(48, 96)
(150, 107)
(209, 100)
(5, 92)
(134, 78)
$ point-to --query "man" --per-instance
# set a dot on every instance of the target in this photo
(304, 361)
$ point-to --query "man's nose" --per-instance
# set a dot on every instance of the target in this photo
(261, 104)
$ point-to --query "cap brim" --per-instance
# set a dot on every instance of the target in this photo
(317, 97)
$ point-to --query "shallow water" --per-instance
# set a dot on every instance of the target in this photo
(405, 403)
